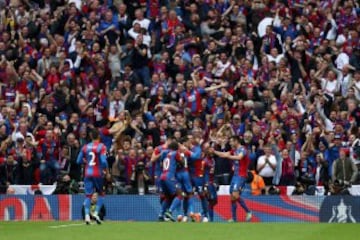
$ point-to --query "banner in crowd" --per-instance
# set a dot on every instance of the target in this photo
(31, 189)
(146, 208)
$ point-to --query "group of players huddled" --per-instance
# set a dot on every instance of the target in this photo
(183, 168)
(187, 167)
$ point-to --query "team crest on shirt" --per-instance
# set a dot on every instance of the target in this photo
(192, 98)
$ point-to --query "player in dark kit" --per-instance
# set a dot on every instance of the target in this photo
(93, 155)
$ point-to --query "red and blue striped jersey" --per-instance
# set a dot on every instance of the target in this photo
(159, 149)
(158, 163)
(241, 166)
(93, 155)
(209, 169)
(193, 100)
(195, 161)
(170, 161)
(48, 150)
(198, 168)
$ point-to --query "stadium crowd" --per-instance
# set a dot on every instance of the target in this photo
(284, 76)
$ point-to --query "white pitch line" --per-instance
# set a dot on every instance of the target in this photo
(67, 225)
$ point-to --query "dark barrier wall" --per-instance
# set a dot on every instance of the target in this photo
(146, 208)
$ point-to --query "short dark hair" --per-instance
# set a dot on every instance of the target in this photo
(174, 145)
(184, 139)
(95, 134)
(170, 138)
(236, 138)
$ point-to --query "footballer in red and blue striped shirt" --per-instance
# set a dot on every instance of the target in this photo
(93, 156)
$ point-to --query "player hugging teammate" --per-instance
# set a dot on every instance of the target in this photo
(186, 169)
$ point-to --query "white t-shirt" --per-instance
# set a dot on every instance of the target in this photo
(145, 23)
(329, 87)
(146, 38)
(267, 171)
(275, 59)
(221, 67)
(341, 60)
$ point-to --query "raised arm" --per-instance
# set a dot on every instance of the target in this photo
(155, 156)
(195, 154)
(229, 9)
(229, 156)
(38, 79)
(209, 89)
(133, 126)
(327, 121)
(320, 71)
(169, 106)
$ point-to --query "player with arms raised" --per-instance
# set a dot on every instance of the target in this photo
(239, 156)
(93, 155)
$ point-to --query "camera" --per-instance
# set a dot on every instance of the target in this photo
(274, 190)
(339, 187)
(139, 167)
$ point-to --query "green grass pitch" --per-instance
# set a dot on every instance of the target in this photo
(167, 231)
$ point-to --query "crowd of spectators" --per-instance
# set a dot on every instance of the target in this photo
(283, 75)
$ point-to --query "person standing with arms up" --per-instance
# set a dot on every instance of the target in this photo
(239, 156)
(93, 156)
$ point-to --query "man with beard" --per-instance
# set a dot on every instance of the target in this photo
(240, 158)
